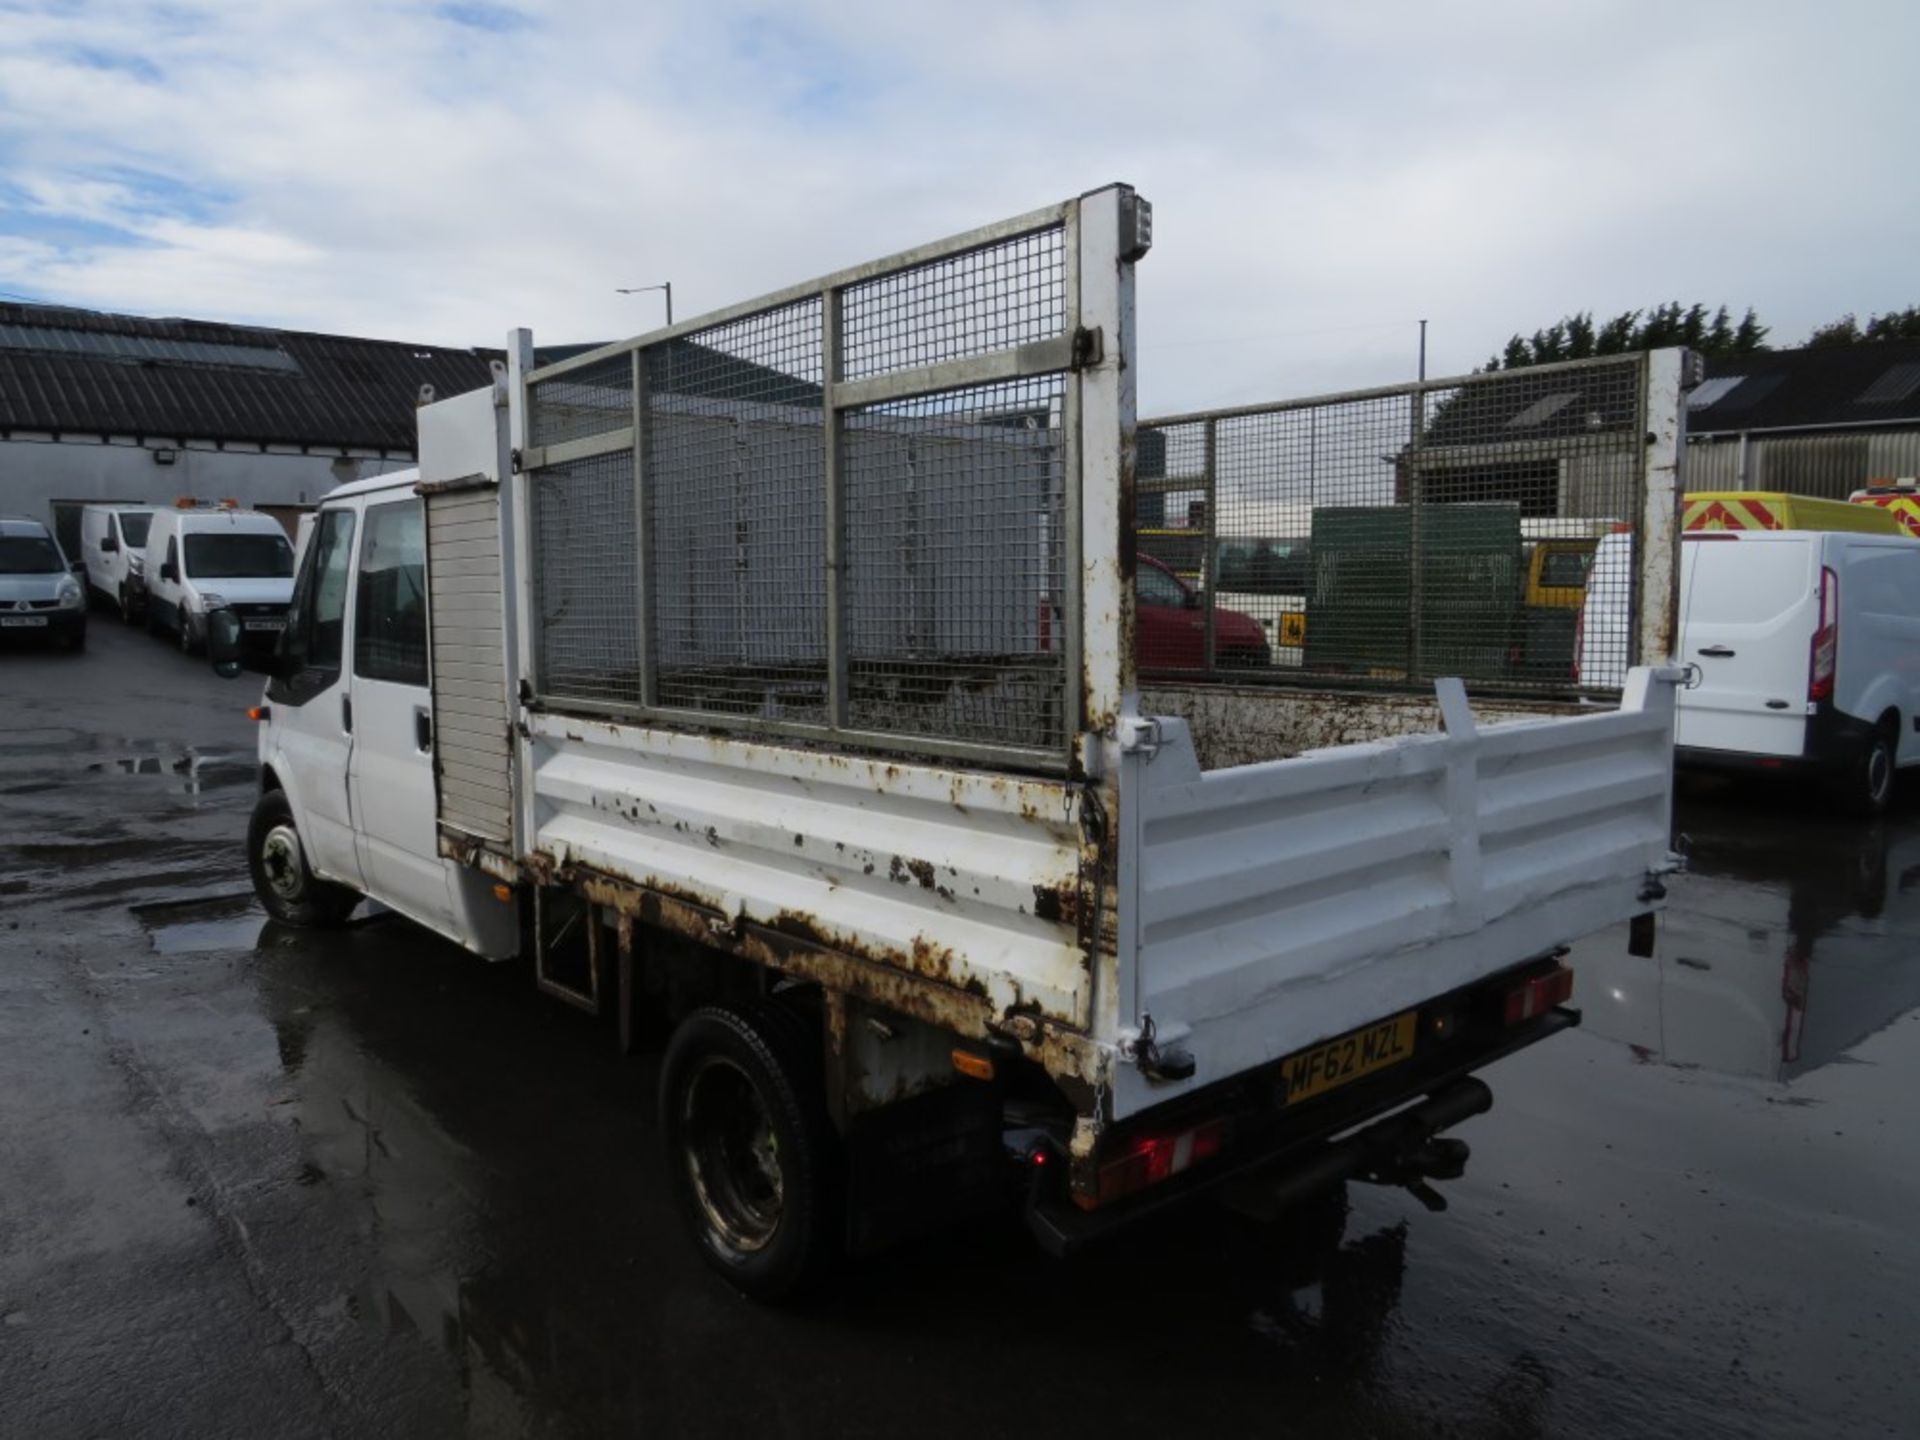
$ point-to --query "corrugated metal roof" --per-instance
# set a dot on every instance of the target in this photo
(1869, 384)
(82, 372)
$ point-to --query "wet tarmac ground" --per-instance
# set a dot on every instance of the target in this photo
(257, 1182)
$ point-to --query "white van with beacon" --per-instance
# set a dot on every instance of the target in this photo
(209, 557)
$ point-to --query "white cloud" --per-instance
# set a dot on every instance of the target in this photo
(1322, 174)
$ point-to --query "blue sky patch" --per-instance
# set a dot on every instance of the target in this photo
(481, 15)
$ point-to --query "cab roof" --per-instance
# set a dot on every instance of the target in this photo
(393, 480)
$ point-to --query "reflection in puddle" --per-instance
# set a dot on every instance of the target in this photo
(227, 922)
(1773, 956)
(189, 771)
(31, 755)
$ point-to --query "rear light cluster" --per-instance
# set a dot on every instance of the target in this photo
(1539, 995)
(1149, 1159)
(1826, 640)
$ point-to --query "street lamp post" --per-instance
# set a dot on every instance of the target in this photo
(642, 289)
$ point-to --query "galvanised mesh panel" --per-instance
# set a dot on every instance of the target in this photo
(954, 575)
(736, 468)
(585, 578)
(583, 403)
(1440, 530)
(1008, 294)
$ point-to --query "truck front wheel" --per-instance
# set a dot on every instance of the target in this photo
(287, 887)
(751, 1154)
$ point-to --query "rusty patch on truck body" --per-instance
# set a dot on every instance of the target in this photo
(925, 984)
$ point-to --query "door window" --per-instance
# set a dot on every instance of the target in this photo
(316, 621)
(390, 608)
(1155, 587)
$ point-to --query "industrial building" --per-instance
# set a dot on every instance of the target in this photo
(122, 408)
(1823, 421)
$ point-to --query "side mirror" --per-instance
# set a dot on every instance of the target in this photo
(1192, 602)
(109, 545)
(223, 642)
(169, 571)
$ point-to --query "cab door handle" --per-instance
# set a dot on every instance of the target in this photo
(1717, 652)
(422, 728)
(346, 713)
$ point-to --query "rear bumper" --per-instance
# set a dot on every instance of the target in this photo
(1300, 1155)
(1833, 740)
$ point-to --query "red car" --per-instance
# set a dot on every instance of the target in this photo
(1170, 626)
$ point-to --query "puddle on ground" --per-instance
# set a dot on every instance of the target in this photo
(188, 771)
(226, 922)
(1789, 939)
(34, 755)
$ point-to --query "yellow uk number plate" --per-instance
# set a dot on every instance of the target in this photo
(1336, 1062)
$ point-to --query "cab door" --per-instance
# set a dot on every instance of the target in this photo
(392, 759)
(313, 718)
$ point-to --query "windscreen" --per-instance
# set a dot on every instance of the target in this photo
(219, 556)
(1565, 569)
(28, 555)
(1744, 582)
(134, 525)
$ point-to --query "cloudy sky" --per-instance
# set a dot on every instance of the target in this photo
(1323, 174)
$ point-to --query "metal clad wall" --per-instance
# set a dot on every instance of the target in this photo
(470, 722)
(1832, 466)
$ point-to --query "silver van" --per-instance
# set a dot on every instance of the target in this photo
(40, 598)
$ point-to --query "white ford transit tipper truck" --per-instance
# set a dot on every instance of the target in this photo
(774, 673)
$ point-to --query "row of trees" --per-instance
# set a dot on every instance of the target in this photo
(1578, 337)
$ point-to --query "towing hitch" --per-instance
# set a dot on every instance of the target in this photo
(1440, 1158)
(1405, 1149)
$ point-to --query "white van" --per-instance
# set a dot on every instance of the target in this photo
(209, 557)
(113, 547)
(1805, 644)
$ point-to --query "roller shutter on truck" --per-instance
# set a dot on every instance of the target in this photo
(470, 717)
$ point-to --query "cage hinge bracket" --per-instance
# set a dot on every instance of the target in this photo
(1089, 347)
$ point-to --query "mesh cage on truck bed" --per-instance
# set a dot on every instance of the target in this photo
(1388, 537)
(848, 511)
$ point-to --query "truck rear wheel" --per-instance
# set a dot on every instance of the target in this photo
(751, 1155)
(288, 889)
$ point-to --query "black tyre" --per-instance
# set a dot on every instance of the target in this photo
(185, 634)
(1869, 776)
(125, 603)
(751, 1156)
(281, 878)
(154, 627)
(77, 641)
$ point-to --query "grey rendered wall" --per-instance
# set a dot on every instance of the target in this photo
(35, 473)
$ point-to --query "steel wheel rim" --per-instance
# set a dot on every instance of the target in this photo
(1879, 772)
(281, 862)
(732, 1155)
